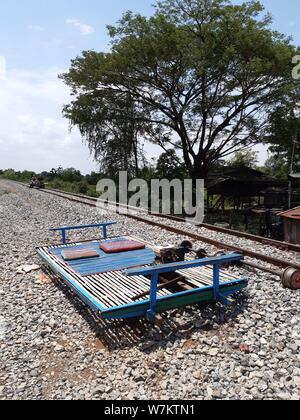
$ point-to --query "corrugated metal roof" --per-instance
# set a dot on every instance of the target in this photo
(259, 211)
(294, 176)
(291, 214)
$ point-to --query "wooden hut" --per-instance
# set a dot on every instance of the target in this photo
(239, 183)
(291, 220)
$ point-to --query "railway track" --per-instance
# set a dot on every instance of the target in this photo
(137, 214)
(265, 241)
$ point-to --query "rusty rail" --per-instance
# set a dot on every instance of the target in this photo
(265, 241)
(92, 202)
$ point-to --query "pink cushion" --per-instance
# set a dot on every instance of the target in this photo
(79, 254)
(121, 246)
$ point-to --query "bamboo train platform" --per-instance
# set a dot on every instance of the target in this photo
(122, 283)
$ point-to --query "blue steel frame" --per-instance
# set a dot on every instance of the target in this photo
(64, 229)
(155, 271)
(136, 308)
(73, 284)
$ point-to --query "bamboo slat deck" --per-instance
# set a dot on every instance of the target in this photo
(114, 294)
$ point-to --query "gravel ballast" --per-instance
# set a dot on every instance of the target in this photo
(53, 347)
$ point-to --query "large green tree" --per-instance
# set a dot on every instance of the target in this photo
(201, 74)
(168, 167)
(276, 166)
(106, 121)
(283, 134)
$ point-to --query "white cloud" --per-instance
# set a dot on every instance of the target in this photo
(83, 27)
(35, 28)
(33, 133)
(2, 67)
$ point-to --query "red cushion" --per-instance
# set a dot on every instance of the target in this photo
(69, 255)
(121, 246)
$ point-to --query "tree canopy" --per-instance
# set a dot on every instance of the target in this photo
(283, 135)
(247, 158)
(169, 168)
(200, 77)
(276, 166)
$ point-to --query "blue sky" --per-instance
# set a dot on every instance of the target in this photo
(38, 38)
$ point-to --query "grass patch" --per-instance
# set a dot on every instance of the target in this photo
(74, 187)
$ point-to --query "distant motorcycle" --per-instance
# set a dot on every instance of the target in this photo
(37, 183)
